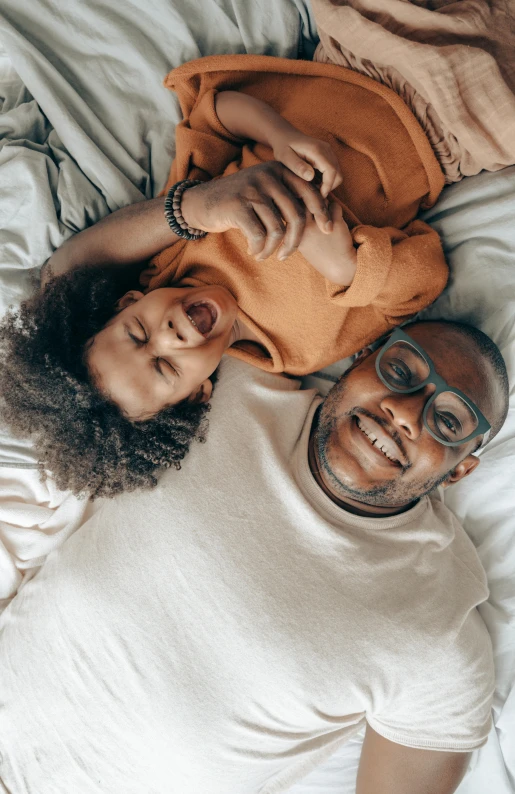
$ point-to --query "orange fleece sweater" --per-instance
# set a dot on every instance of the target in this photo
(389, 172)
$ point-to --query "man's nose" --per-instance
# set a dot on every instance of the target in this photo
(405, 411)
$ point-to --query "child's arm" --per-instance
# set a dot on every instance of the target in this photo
(334, 254)
(247, 117)
(398, 273)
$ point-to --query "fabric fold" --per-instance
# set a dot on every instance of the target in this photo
(453, 63)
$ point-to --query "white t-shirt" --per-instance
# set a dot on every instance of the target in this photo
(222, 633)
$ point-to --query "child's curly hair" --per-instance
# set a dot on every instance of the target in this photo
(85, 440)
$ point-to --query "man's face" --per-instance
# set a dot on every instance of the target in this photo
(360, 415)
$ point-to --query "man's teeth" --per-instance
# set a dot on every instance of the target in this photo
(384, 448)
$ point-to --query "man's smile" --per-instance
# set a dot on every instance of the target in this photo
(380, 441)
(376, 442)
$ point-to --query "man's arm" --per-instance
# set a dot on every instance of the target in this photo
(267, 202)
(389, 768)
(127, 237)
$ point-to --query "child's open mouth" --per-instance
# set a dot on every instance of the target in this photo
(202, 315)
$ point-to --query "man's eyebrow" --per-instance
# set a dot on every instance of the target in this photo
(470, 410)
(472, 413)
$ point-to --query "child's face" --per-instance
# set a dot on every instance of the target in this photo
(161, 348)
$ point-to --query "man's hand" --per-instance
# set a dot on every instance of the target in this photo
(267, 202)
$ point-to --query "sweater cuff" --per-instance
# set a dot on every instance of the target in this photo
(374, 259)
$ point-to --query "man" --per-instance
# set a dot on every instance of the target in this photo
(293, 582)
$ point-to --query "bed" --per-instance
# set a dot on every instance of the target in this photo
(85, 128)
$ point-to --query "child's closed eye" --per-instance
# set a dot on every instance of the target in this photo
(137, 339)
(158, 366)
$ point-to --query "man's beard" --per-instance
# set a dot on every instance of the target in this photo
(392, 493)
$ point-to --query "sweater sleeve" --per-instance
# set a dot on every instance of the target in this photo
(398, 272)
(204, 147)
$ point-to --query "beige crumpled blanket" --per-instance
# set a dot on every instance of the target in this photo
(452, 61)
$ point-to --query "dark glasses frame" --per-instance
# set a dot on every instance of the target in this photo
(483, 427)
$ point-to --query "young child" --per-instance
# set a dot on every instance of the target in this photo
(111, 399)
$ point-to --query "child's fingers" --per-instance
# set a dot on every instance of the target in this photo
(338, 179)
(332, 179)
(335, 211)
(324, 160)
(312, 200)
(329, 177)
(295, 163)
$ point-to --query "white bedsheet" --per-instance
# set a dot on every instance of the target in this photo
(476, 220)
(98, 135)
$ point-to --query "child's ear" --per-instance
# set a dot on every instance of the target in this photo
(203, 393)
(128, 299)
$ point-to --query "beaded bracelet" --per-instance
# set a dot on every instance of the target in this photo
(173, 212)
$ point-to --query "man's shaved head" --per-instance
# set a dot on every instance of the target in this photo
(489, 351)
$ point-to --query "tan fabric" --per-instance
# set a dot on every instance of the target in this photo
(453, 63)
(224, 632)
(303, 321)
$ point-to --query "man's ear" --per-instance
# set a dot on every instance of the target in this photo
(203, 393)
(463, 469)
(128, 299)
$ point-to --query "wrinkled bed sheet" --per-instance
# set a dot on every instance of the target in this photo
(86, 127)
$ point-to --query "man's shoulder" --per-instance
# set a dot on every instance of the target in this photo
(449, 660)
(460, 546)
(241, 386)
(255, 413)
(443, 579)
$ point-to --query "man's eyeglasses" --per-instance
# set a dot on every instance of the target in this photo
(449, 415)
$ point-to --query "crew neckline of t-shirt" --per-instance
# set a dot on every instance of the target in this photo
(319, 499)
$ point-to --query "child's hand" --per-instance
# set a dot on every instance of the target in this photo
(333, 255)
(302, 154)
(248, 117)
